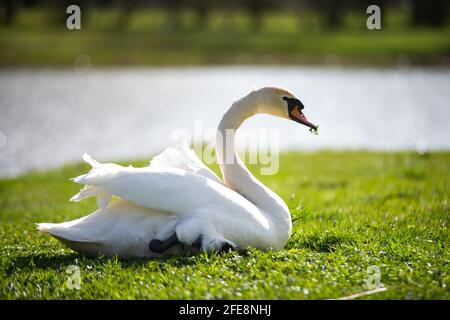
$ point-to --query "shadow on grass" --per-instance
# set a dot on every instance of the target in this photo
(54, 262)
(321, 242)
(42, 261)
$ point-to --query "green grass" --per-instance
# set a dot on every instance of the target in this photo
(351, 210)
(283, 38)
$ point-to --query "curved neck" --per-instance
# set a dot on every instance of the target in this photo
(236, 176)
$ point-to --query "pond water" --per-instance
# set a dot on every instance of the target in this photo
(50, 117)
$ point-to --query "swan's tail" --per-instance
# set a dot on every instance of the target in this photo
(63, 231)
(45, 228)
(71, 237)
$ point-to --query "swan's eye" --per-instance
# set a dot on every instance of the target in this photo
(292, 103)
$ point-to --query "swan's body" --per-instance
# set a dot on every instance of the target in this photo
(178, 195)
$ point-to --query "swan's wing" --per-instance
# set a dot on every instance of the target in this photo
(171, 190)
(90, 191)
(181, 156)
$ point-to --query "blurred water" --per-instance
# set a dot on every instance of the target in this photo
(50, 117)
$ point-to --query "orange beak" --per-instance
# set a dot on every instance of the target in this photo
(297, 115)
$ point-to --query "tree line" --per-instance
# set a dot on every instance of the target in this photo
(432, 13)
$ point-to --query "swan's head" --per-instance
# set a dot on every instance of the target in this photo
(282, 103)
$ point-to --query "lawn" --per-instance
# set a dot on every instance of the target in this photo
(351, 210)
(282, 38)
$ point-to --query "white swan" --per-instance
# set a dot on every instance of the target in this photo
(177, 203)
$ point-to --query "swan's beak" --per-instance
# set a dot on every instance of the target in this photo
(297, 115)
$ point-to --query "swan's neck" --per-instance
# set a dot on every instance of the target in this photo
(234, 172)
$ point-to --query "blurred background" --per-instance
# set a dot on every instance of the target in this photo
(161, 32)
(140, 69)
